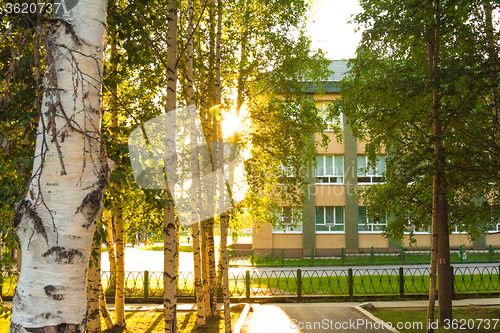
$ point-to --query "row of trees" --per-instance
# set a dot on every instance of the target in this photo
(424, 87)
(76, 120)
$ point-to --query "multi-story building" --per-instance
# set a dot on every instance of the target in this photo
(333, 217)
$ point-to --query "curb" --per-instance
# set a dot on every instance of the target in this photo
(241, 320)
(375, 319)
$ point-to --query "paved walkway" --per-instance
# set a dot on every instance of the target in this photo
(331, 317)
(308, 317)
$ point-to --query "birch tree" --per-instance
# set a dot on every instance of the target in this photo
(56, 220)
(169, 232)
(195, 167)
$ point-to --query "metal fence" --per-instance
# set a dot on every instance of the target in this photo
(303, 283)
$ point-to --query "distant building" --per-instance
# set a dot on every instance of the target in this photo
(333, 217)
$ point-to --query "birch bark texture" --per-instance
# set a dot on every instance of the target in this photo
(169, 226)
(56, 220)
(195, 167)
(223, 215)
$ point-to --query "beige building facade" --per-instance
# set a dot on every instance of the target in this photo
(334, 218)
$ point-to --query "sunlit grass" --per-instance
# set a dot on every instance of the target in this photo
(153, 321)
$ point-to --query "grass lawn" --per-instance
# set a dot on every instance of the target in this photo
(467, 319)
(378, 259)
(160, 248)
(152, 322)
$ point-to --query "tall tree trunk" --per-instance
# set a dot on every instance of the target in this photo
(169, 226)
(56, 221)
(120, 244)
(222, 185)
(195, 169)
(120, 265)
(212, 281)
(440, 203)
(433, 278)
(93, 283)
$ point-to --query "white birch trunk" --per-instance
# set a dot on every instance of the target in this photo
(169, 226)
(56, 221)
(195, 167)
(222, 185)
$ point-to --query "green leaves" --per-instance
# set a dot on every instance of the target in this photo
(387, 100)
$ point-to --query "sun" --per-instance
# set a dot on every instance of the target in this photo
(231, 124)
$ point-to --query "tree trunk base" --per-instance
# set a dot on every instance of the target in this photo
(61, 328)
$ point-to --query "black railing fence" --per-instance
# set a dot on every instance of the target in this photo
(298, 283)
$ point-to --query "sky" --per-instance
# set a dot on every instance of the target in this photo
(329, 30)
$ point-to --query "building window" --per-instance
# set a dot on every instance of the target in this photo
(290, 221)
(331, 124)
(367, 224)
(329, 219)
(421, 230)
(329, 169)
(369, 175)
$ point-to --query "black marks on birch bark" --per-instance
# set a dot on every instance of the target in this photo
(54, 292)
(26, 208)
(62, 255)
(61, 328)
(91, 205)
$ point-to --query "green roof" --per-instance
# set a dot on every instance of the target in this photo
(339, 68)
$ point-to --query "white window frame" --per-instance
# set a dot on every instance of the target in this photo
(416, 232)
(296, 214)
(495, 230)
(334, 221)
(331, 124)
(371, 174)
(329, 177)
(370, 224)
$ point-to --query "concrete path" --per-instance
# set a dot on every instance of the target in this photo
(332, 317)
(308, 317)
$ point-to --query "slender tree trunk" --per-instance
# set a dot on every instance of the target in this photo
(120, 245)
(212, 278)
(120, 266)
(111, 252)
(440, 204)
(93, 283)
(222, 185)
(169, 227)
(104, 308)
(433, 278)
(204, 267)
(212, 274)
(56, 221)
(195, 169)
